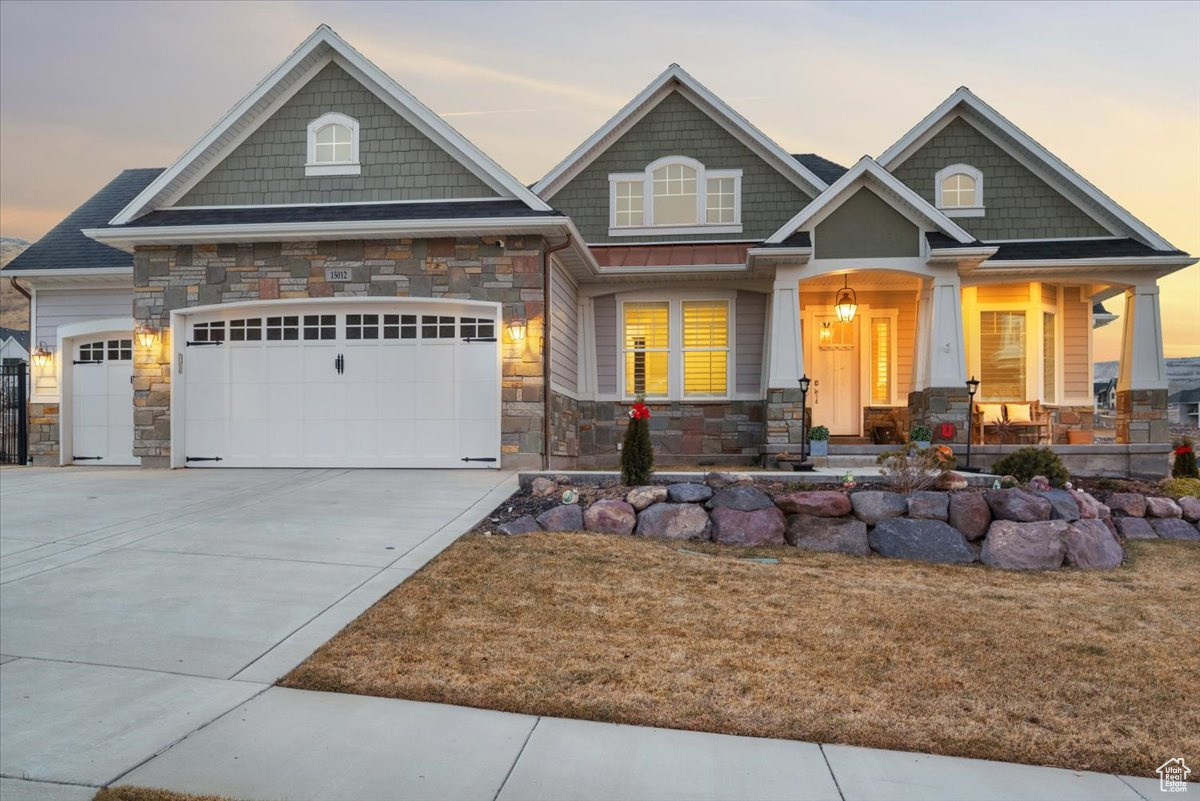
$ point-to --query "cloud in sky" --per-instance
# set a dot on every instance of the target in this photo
(87, 89)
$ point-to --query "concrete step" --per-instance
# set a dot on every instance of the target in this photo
(850, 461)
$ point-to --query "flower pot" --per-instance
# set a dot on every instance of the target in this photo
(818, 447)
(923, 444)
(1081, 437)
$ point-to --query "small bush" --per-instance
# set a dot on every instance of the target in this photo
(920, 434)
(818, 433)
(1185, 459)
(912, 468)
(1026, 463)
(1181, 487)
(637, 453)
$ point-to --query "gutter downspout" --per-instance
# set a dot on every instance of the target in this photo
(546, 427)
(12, 279)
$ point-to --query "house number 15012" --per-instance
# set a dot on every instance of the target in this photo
(337, 273)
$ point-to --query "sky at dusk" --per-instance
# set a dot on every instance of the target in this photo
(89, 89)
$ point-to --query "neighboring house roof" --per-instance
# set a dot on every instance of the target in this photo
(1102, 386)
(676, 78)
(65, 247)
(313, 54)
(1186, 396)
(821, 167)
(1077, 249)
(21, 337)
(359, 212)
(708, 255)
(873, 175)
(1027, 150)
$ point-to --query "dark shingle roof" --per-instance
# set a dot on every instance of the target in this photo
(65, 247)
(937, 239)
(800, 239)
(1077, 249)
(367, 212)
(1102, 386)
(821, 167)
(22, 337)
(1186, 396)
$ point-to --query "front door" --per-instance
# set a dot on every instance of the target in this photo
(835, 401)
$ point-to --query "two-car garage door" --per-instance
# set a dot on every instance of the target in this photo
(397, 383)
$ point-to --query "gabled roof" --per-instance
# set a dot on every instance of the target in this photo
(1027, 150)
(828, 171)
(676, 78)
(1077, 249)
(64, 247)
(870, 174)
(20, 337)
(321, 47)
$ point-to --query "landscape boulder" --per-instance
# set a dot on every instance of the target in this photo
(1162, 507)
(568, 517)
(1131, 504)
(1063, 505)
(1091, 546)
(1017, 505)
(1172, 528)
(758, 527)
(641, 497)
(920, 540)
(1134, 528)
(740, 498)
(927, 505)
(610, 517)
(543, 487)
(969, 513)
(1190, 508)
(688, 493)
(950, 481)
(522, 525)
(1011, 545)
(1089, 507)
(718, 480)
(674, 521)
(819, 503)
(872, 506)
(829, 534)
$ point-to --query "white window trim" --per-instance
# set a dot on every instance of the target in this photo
(959, 211)
(646, 176)
(314, 168)
(674, 300)
(867, 364)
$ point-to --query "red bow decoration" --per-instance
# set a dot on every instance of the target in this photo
(639, 412)
(1182, 449)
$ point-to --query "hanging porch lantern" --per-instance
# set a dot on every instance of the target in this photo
(846, 304)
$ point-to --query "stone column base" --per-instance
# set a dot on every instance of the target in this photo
(1142, 416)
(934, 406)
(784, 417)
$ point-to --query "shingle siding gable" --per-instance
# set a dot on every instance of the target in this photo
(1018, 204)
(398, 161)
(676, 127)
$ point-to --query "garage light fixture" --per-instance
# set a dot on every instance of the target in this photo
(146, 334)
(42, 355)
(516, 328)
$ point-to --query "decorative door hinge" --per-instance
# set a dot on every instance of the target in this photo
(88, 361)
(204, 459)
(478, 459)
(203, 344)
(87, 458)
(479, 339)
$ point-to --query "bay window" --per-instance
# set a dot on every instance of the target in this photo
(675, 195)
(676, 348)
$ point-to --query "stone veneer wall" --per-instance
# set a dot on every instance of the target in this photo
(1142, 416)
(167, 278)
(723, 432)
(1070, 418)
(43, 433)
(564, 430)
(936, 405)
(784, 417)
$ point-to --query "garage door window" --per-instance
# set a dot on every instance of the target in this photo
(320, 326)
(399, 326)
(208, 332)
(435, 327)
(283, 328)
(476, 328)
(245, 330)
(362, 326)
(91, 352)
(120, 350)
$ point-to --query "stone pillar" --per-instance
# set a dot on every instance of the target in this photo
(786, 364)
(940, 391)
(1142, 375)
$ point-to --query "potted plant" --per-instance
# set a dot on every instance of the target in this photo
(818, 441)
(921, 435)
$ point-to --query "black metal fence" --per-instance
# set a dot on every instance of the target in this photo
(14, 410)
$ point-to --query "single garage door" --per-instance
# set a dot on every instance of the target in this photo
(102, 401)
(395, 384)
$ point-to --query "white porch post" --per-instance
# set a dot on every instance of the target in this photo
(921, 339)
(945, 355)
(1142, 364)
(787, 350)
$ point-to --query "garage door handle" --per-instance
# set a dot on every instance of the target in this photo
(479, 339)
(339, 364)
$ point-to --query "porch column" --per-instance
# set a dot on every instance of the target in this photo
(940, 376)
(1142, 373)
(946, 357)
(785, 366)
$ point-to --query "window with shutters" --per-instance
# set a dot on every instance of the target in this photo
(677, 348)
(705, 348)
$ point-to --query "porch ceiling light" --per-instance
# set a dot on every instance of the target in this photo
(516, 329)
(846, 305)
(146, 334)
(42, 355)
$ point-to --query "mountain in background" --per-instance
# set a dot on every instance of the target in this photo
(1181, 373)
(14, 308)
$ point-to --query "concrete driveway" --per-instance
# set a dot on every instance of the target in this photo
(137, 606)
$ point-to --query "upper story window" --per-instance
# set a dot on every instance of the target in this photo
(675, 195)
(333, 146)
(958, 190)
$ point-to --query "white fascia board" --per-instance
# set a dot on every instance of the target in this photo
(643, 103)
(1115, 261)
(890, 158)
(391, 92)
(838, 191)
(958, 254)
(69, 272)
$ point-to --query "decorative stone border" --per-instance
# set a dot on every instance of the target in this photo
(1013, 529)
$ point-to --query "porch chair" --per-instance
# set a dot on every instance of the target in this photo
(1022, 417)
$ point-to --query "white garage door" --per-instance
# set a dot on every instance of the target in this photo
(102, 402)
(401, 384)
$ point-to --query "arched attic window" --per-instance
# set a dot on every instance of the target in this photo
(958, 190)
(675, 195)
(332, 146)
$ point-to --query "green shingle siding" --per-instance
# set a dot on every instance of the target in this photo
(865, 227)
(677, 128)
(1018, 204)
(398, 161)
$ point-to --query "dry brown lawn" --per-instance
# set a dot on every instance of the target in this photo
(1092, 671)
(127, 792)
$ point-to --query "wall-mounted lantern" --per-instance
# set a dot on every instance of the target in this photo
(146, 334)
(516, 328)
(42, 355)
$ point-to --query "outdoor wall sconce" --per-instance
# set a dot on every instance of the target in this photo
(846, 304)
(42, 355)
(146, 334)
(516, 329)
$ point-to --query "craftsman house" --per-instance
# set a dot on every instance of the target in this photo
(333, 276)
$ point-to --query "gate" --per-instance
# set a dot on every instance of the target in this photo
(14, 421)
